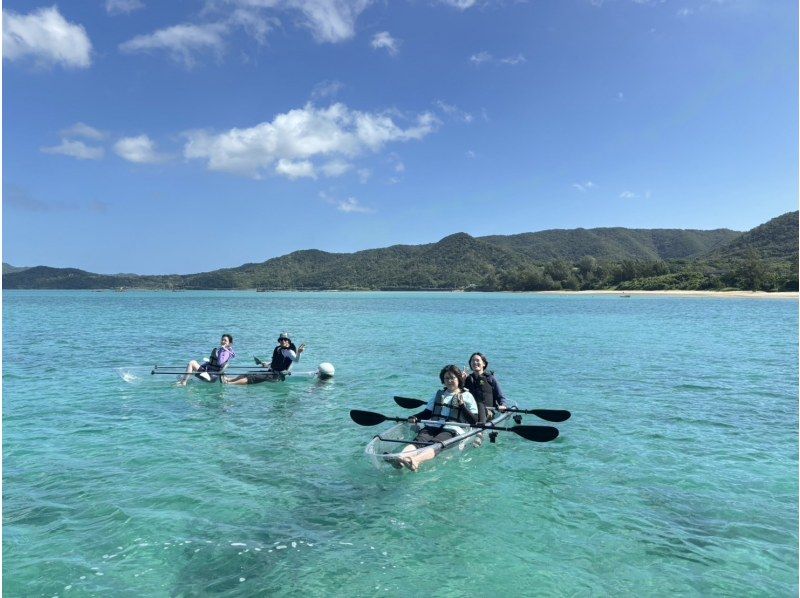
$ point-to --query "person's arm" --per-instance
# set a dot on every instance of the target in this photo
(295, 357)
(425, 413)
(470, 410)
(224, 356)
(500, 398)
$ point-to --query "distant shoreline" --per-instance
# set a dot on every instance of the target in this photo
(621, 294)
(727, 294)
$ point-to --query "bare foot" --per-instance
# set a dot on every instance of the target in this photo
(409, 463)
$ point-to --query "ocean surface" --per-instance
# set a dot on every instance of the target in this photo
(677, 473)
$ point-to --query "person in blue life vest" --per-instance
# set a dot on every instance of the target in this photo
(284, 356)
(211, 370)
(483, 385)
(451, 405)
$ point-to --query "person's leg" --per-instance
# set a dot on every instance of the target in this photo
(190, 369)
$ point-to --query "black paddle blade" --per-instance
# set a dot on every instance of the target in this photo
(407, 403)
(366, 418)
(551, 415)
(535, 433)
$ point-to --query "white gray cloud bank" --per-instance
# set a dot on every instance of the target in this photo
(292, 143)
(45, 37)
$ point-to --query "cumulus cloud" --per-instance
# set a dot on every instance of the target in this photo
(181, 42)
(303, 134)
(140, 150)
(45, 37)
(295, 170)
(386, 41)
(75, 149)
(584, 187)
(80, 129)
(123, 7)
(336, 168)
(627, 195)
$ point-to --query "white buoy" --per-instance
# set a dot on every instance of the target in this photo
(325, 370)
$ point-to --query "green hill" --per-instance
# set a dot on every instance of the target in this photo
(765, 257)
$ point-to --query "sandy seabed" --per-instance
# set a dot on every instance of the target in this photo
(713, 294)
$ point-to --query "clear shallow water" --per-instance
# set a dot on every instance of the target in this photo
(676, 473)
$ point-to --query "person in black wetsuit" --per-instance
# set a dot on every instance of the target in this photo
(482, 384)
(283, 357)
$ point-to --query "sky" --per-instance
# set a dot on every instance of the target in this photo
(178, 137)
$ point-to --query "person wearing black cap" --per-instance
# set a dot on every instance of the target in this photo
(284, 357)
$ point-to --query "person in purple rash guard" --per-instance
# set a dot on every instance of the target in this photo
(211, 370)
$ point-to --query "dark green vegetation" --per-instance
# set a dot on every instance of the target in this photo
(764, 258)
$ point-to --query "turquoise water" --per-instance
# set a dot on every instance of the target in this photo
(678, 471)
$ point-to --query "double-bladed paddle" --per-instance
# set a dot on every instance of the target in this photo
(534, 433)
(551, 415)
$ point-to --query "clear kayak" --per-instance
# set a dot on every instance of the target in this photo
(385, 448)
(138, 374)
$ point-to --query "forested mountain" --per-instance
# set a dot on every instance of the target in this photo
(8, 268)
(765, 258)
(613, 244)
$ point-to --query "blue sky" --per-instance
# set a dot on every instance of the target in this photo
(177, 137)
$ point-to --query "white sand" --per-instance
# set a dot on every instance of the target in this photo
(715, 294)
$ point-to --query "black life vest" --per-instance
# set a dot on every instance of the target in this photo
(481, 388)
(213, 361)
(281, 363)
(455, 414)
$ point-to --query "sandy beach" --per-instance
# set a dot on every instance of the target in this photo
(714, 294)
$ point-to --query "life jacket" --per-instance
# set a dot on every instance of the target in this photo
(281, 363)
(213, 361)
(446, 411)
(481, 388)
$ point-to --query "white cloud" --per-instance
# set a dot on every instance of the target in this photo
(479, 58)
(295, 170)
(470, 154)
(329, 20)
(336, 168)
(485, 57)
(335, 132)
(454, 111)
(685, 12)
(627, 195)
(460, 4)
(83, 130)
(384, 40)
(76, 149)
(181, 42)
(363, 175)
(140, 150)
(351, 205)
(513, 60)
(584, 187)
(46, 37)
(325, 89)
(121, 7)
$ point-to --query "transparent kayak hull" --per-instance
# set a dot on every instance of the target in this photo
(384, 449)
